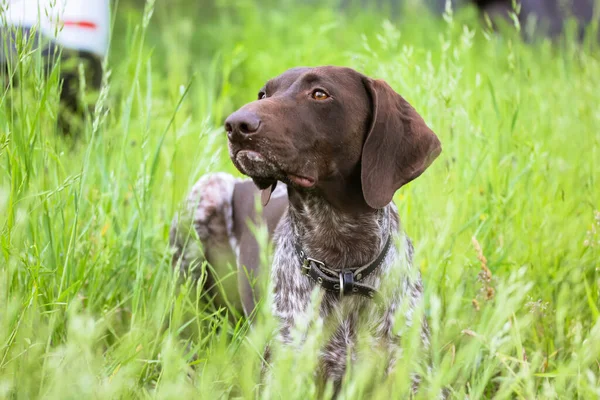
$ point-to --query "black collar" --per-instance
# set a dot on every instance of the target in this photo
(346, 281)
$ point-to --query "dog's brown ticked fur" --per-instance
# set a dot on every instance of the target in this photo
(342, 143)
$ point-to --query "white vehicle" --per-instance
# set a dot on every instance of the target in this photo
(81, 25)
(78, 28)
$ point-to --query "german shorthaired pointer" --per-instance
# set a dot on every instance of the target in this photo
(328, 147)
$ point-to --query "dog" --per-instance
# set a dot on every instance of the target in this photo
(325, 149)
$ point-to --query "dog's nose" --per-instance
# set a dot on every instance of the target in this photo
(241, 124)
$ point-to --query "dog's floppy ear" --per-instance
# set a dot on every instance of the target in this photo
(398, 147)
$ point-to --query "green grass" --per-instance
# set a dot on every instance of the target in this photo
(92, 309)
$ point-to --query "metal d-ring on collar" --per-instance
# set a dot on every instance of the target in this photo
(346, 281)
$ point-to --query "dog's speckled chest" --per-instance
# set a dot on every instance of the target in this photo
(293, 293)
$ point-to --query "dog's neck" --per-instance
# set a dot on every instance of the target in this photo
(339, 238)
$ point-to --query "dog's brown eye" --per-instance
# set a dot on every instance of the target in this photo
(319, 95)
(262, 95)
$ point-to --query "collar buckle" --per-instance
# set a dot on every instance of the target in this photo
(306, 264)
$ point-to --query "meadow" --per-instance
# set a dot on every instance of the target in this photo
(506, 223)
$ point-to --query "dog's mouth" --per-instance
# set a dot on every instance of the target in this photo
(250, 156)
(302, 181)
(266, 172)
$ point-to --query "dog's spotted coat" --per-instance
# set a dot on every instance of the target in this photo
(322, 231)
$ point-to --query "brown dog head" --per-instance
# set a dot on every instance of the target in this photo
(331, 129)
